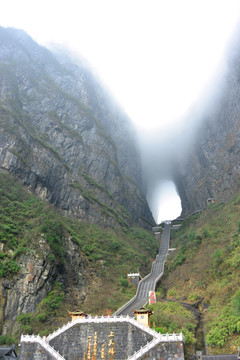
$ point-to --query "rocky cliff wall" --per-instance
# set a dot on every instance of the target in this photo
(126, 337)
(22, 293)
(65, 138)
(50, 263)
(211, 168)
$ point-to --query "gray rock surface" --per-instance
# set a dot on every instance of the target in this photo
(24, 291)
(65, 137)
(68, 142)
(211, 169)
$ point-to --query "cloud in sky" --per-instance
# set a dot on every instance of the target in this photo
(157, 57)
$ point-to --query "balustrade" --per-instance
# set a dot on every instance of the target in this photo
(43, 343)
(157, 337)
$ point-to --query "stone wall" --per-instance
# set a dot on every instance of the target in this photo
(166, 351)
(33, 351)
(163, 351)
(133, 279)
(73, 343)
(77, 341)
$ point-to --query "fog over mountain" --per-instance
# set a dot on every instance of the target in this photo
(166, 152)
(65, 137)
(157, 59)
(66, 140)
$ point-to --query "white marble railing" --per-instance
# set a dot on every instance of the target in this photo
(133, 274)
(43, 343)
(156, 341)
(102, 319)
(157, 337)
(114, 319)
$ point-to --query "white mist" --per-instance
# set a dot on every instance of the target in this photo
(164, 201)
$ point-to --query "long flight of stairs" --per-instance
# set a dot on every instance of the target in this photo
(149, 282)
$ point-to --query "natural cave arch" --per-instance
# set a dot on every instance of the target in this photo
(164, 201)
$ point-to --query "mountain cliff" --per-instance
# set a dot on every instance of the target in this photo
(71, 192)
(64, 137)
(211, 167)
(50, 263)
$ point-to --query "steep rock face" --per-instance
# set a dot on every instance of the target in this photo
(64, 137)
(50, 263)
(212, 169)
(24, 291)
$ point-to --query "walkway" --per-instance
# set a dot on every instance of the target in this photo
(149, 282)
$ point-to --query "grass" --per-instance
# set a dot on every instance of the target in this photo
(205, 268)
(16, 153)
(92, 182)
(23, 216)
(172, 317)
(12, 115)
(116, 211)
(89, 187)
(108, 254)
(47, 310)
(54, 117)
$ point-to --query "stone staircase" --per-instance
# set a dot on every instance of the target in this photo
(157, 338)
(43, 343)
(150, 281)
(33, 346)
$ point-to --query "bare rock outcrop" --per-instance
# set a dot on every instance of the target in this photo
(211, 169)
(65, 137)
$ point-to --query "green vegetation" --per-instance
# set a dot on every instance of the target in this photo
(226, 324)
(47, 310)
(15, 152)
(53, 230)
(7, 340)
(23, 217)
(120, 214)
(172, 317)
(54, 116)
(29, 225)
(83, 109)
(92, 182)
(206, 266)
(13, 109)
(111, 248)
(190, 243)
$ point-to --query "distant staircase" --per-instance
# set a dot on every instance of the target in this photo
(123, 315)
(150, 281)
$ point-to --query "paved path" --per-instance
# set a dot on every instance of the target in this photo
(149, 282)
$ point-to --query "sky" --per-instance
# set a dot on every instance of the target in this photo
(157, 57)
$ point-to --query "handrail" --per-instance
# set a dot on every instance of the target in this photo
(102, 319)
(150, 345)
(126, 304)
(138, 289)
(43, 343)
(157, 337)
(164, 256)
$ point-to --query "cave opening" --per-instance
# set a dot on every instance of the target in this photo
(164, 201)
